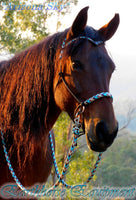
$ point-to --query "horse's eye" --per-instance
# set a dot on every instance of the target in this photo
(77, 65)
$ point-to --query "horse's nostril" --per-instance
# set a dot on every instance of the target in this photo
(101, 131)
(103, 134)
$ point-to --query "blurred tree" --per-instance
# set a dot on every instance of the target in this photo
(126, 114)
(118, 167)
(83, 159)
(22, 26)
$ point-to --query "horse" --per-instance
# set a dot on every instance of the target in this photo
(33, 94)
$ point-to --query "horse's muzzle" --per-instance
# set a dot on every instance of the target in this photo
(103, 137)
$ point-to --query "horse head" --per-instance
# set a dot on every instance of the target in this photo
(87, 68)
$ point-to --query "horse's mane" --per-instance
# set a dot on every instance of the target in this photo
(25, 92)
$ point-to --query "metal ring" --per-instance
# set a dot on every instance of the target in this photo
(79, 110)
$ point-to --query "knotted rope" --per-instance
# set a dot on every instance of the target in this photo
(76, 134)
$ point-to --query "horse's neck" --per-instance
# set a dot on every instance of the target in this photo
(51, 117)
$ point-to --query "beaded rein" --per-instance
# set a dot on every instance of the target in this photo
(76, 134)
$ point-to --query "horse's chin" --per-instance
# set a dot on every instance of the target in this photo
(94, 146)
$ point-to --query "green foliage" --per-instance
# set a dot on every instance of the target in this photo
(20, 28)
(118, 166)
(83, 159)
(61, 142)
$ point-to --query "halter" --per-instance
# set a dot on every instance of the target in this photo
(76, 133)
(64, 44)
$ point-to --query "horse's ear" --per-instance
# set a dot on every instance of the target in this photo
(79, 23)
(108, 30)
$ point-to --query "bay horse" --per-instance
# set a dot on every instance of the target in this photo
(32, 96)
